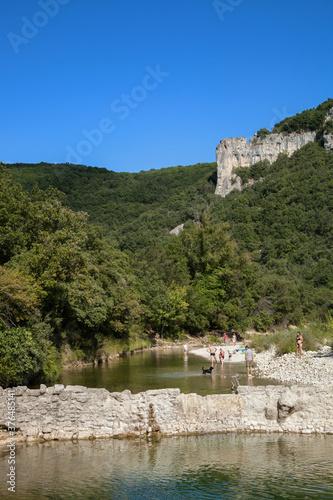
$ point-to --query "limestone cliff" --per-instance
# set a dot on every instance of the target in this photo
(237, 152)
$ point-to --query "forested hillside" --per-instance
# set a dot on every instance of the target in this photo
(285, 220)
(132, 208)
(68, 280)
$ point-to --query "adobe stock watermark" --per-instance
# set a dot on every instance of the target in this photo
(278, 116)
(31, 27)
(224, 7)
(121, 108)
(11, 409)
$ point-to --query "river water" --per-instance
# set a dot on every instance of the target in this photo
(160, 369)
(222, 466)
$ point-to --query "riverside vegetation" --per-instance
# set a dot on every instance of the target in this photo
(88, 265)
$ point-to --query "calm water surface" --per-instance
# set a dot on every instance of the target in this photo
(197, 467)
(160, 369)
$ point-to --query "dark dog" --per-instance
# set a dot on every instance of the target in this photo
(207, 371)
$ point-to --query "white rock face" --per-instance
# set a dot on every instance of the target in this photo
(236, 152)
(177, 229)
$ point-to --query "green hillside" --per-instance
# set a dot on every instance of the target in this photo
(260, 257)
(285, 221)
(133, 208)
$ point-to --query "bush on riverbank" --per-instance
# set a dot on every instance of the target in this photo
(26, 356)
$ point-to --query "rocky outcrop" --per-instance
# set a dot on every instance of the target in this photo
(328, 137)
(237, 152)
(75, 412)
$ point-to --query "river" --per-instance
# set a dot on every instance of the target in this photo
(160, 369)
(222, 466)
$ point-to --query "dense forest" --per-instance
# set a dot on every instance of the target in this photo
(87, 258)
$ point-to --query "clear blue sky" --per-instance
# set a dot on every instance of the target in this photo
(135, 85)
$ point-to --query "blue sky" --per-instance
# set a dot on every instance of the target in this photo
(135, 85)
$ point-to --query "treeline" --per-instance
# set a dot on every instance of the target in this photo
(309, 120)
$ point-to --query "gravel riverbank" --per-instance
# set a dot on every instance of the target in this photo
(314, 368)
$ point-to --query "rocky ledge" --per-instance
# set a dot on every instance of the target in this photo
(314, 368)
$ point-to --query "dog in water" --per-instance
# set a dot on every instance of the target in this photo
(207, 371)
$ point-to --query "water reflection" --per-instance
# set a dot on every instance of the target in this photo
(196, 467)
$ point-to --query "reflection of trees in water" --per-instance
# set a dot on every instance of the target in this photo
(273, 464)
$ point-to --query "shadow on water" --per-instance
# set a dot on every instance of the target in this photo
(160, 369)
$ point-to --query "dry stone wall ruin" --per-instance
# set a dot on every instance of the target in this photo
(76, 412)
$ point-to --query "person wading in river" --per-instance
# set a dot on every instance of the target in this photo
(248, 360)
(212, 350)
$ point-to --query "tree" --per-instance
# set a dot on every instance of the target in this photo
(24, 355)
(18, 296)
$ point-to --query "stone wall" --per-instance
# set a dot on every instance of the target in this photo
(75, 412)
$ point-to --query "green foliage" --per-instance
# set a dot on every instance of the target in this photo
(254, 172)
(221, 278)
(285, 342)
(314, 335)
(262, 343)
(328, 127)
(259, 257)
(18, 296)
(132, 208)
(214, 339)
(310, 119)
(24, 355)
(262, 133)
(286, 222)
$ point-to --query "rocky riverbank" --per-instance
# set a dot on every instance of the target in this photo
(314, 368)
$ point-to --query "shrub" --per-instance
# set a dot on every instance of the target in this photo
(262, 342)
(23, 356)
(285, 342)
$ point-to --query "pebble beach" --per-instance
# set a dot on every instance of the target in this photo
(313, 368)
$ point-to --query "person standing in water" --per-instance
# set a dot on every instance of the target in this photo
(221, 356)
(212, 350)
(299, 344)
(248, 359)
